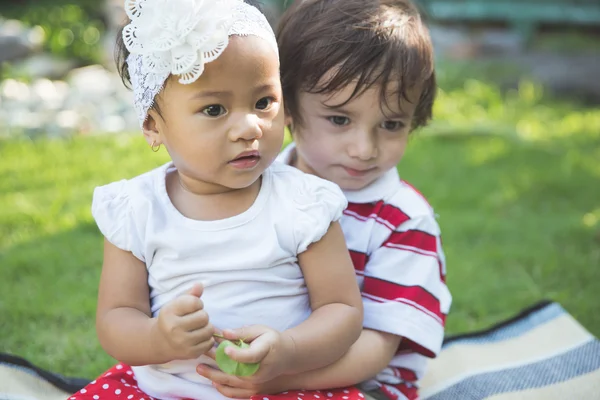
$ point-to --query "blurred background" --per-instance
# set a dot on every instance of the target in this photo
(511, 163)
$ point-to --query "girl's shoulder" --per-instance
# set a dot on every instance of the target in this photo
(142, 188)
(308, 203)
(291, 182)
(121, 209)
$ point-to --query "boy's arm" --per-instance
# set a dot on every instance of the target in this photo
(404, 290)
(405, 300)
(367, 357)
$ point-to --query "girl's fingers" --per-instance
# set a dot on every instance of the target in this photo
(194, 321)
(202, 348)
(246, 333)
(257, 352)
(186, 304)
(212, 353)
(196, 290)
(234, 393)
(221, 378)
(202, 335)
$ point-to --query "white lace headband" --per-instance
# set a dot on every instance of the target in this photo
(178, 37)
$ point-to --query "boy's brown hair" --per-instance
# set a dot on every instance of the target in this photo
(371, 42)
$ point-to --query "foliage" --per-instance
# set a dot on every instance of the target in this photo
(71, 29)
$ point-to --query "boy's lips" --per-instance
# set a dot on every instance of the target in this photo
(246, 160)
(358, 173)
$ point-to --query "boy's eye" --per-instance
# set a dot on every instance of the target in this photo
(392, 125)
(264, 103)
(214, 110)
(339, 120)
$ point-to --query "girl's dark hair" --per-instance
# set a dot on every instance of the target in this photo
(371, 42)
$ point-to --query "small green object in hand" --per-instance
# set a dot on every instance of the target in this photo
(233, 367)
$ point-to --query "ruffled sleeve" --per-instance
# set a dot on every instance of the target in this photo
(113, 211)
(317, 203)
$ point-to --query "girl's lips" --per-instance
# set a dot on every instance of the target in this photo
(246, 160)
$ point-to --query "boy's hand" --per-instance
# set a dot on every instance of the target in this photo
(272, 349)
(182, 330)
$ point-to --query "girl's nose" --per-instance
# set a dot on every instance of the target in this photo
(247, 128)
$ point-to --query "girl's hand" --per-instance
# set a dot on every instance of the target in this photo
(240, 388)
(182, 330)
(272, 349)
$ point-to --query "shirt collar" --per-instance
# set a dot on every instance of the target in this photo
(382, 188)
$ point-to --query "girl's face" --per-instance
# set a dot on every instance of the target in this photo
(354, 144)
(225, 129)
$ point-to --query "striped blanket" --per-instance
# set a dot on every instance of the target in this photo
(543, 353)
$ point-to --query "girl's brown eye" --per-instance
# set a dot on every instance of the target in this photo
(264, 103)
(214, 110)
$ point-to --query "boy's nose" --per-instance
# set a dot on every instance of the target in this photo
(363, 147)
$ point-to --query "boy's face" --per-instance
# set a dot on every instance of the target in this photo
(354, 144)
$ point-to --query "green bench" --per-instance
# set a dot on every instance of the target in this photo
(523, 15)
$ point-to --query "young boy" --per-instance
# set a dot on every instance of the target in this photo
(358, 77)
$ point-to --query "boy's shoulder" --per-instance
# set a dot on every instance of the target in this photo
(410, 200)
(393, 203)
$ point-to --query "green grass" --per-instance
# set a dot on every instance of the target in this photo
(513, 177)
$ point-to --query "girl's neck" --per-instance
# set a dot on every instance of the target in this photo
(198, 188)
(216, 190)
(217, 204)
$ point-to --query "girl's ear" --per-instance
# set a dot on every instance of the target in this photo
(150, 129)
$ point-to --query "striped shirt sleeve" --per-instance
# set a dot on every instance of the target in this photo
(404, 290)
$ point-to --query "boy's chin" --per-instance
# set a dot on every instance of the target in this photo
(354, 183)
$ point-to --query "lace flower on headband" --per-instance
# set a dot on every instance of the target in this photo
(178, 37)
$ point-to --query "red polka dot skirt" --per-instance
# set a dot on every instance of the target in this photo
(119, 383)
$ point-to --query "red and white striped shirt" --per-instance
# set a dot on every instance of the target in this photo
(395, 245)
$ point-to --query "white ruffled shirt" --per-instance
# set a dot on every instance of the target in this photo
(247, 263)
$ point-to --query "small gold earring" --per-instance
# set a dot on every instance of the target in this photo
(154, 147)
